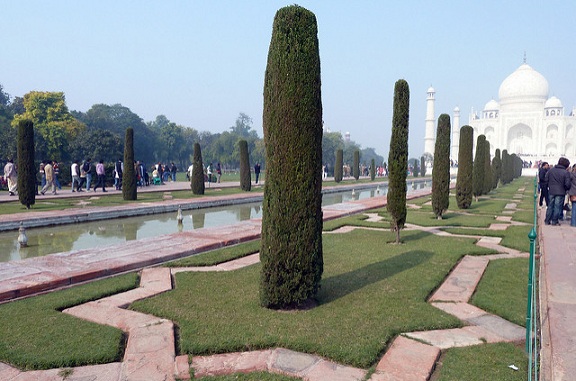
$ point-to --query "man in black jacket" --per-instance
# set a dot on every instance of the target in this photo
(544, 167)
(558, 180)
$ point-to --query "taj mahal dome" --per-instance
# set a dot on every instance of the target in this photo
(524, 120)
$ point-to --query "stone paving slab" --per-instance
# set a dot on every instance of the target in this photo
(462, 311)
(105, 372)
(462, 282)
(509, 331)
(447, 338)
(407, 360)
(228, 363)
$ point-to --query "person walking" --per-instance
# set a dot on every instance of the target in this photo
(87, 167)
(218, 172)
(56, 169)
(173, 170)
(257, 171)
(572, 195)
(11, 177)
(544, 167)
(101, 173)
(49, 173)
(75, 173)
(559, 182)
(118, 170)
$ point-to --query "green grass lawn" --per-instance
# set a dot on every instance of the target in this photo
(370, 293)
(34, 334)
(482, 363)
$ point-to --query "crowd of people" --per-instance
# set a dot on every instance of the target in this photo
(557, 187)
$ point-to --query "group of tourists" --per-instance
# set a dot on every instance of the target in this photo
(558, 190)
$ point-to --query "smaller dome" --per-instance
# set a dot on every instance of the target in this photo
(492, 106)
(456, 109)
(553, 102)
(431, 90)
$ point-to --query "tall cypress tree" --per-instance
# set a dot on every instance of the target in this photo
(487, 168)
(422, 166)
(26, 171)
(398, 157)
(291, 251)
(129, 188)
(416, 169)
(464, 177)
(478, 170)
(505, 177)
(441, 169)
(356, 168)
(245, 176)
(197, 179)
(372, 170)
(338, 166)
(496, 168)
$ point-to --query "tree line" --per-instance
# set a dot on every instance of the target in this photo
(99, 133)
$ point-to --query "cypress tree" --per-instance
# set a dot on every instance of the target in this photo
(372, 170)
(398, 157)
(245, 176)
(291, 251)
(464, 177)
(197, 179)
(422, 166)
(496, 168)
(356, 168)
(129, 188)
(338, 166)
(478, 169)
(26, 170)
(488, 175)
(441, 169)
(505, 179)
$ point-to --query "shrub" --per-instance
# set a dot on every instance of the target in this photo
(441, 169)
(487, 168)
(197, 180)
(26, 168)
(372, 169)
(245, 176)
(338, 166)
(464, 177)
(398, 157)
(129, 188)
(422, 166)
(291, 252)
(496, 168)
(478, 169)
(356, 168)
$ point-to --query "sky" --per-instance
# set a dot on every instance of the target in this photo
(202, 63)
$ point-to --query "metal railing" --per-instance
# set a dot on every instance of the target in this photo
(532, 305)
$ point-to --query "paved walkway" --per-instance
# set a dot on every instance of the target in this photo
(150, 353)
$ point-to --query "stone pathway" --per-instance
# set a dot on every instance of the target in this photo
(150, 351)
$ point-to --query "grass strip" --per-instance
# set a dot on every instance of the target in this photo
(370, 292)
(483, 362)
(503, 289)
(514, 237)
(218, 256)
(35, 335)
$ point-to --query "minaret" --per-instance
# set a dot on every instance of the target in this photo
(429, 138)
(455, 134)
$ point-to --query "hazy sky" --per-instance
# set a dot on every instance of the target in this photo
(201, 63)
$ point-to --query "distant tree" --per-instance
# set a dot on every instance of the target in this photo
(356, 167)
(129, 188)
(367, 154)
(487, 169)
(415, 167)
(423, 166)
(398, 157)
(26, 168)
(245, 175)
(291, 251)
(478, 169)
(331, 143)
(506, 168)
(441, 169)
(372, 170)
(516, 166)
(496, 168)
(197, 179)
(338, 166)
(464, 177)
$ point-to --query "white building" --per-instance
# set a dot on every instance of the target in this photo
(525, 120)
